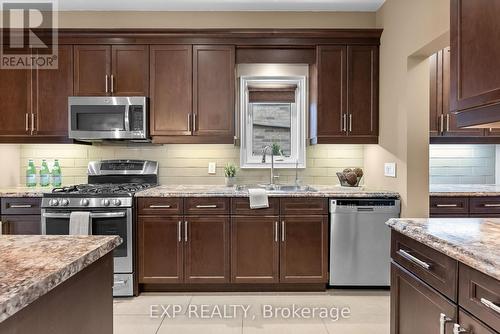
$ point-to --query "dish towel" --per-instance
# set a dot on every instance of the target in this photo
(258, 198)
(79, 223)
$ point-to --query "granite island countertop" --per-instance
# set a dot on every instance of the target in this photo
(33, 265)
(223, 191)
(472, 241)
(468, 190)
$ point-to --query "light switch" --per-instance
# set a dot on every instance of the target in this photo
(212, 168)
(390, 169)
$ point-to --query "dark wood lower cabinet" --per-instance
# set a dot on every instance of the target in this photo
(206, 249)
(21, 224)
(160, 250)
(472, 325)
(415, 306)
(255, 249)
(304, 249)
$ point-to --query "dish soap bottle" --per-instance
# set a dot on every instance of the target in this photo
(44, 174)
(31, 174)
(56, 174)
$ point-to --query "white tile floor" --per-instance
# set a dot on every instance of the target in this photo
(369, 313)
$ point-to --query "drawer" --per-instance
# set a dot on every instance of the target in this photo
(479, 294)
(21, 205)
(449, 205)
(433, 267)
(472, 325)
(206, 206)
(485, 205)
(304, 206)
(155, 206)
(241, 206)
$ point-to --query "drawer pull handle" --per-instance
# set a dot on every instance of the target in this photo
(157, 206)
(457, 329)
(211, 206)
(446, 205)
(490, 305)
(413, 259)
(20, 206)
(492, 205)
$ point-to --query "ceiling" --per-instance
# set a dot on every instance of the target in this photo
(221, 5)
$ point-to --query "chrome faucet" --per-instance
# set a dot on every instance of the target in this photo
(264, 153)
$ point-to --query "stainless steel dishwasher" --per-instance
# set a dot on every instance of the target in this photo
(360, 241)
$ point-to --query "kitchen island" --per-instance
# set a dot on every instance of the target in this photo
(445, 275)
(56, 284)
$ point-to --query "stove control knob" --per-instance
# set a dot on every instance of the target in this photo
(105, 202)
(54, 202)
(64, 202)
(84, 202)
(117, 202)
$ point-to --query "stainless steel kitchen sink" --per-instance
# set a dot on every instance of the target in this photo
(277, 188)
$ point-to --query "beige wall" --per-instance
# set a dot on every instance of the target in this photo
(412, 31)
(83, 19)
(9, 165)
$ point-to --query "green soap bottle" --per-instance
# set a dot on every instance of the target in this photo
(56, 174)
(31, 174)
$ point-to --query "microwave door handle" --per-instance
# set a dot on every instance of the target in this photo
(127, 118)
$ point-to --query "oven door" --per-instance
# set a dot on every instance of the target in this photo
(103, 222)
(100, 118)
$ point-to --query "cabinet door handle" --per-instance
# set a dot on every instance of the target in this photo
(443, 320)
(489, 304)
(441, 123)
(343, 126)
(457, 329)
(491, 205)
(447, 122)
(189, 122)
(179, 231)
(446, 205)
(282, 231)
(275, 231)
(194, 121)
(106, 83)
(33, 125)
(413, 259)
(350, 122)
(112, 84)
(20, 206)
(186, 231)
(27, 120)
(209, 206)
(158, 206)
(1, 227)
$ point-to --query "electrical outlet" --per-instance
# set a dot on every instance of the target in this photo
(390, 169)
(212, 168)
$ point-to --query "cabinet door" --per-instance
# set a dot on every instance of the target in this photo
(92, 70)
(160, 249)
(19, 224)
(332, 88)
(206, 249)
(472, 325)
(130, 70)
(304, 249)
(15, 104)
(475, 54)
(171, 90)
(213, 92)
(415, 306)
(254, 249)
(362, 91)
(53, 89)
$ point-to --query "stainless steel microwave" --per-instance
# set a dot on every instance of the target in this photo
(108, 118)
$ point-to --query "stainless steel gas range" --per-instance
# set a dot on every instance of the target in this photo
(109, 199)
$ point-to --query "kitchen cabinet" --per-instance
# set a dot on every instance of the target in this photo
(20, 215)
(119, 70)
(192, 93)
(463, 206)
(475, 58)
(347, 94)
(37, 110)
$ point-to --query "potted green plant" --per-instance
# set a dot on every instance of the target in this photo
(230, 174)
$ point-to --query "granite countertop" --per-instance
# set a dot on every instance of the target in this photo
(472, 241)
(24, 191)
(32, 265)
(469, 190)
(223, 191)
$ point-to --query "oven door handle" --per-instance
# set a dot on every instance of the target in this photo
(92, 215)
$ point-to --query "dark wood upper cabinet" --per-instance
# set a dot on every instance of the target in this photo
(304, 249)
(15, 103)
(171, 90)
(362, 92)
(130, 70)
(213, 90)
(51, 101)
(92, 70)
(475, 59)
(347, 95)
(207, 249)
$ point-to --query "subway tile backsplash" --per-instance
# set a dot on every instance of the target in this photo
(462, 164)
(188, 163)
